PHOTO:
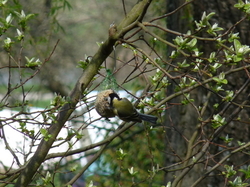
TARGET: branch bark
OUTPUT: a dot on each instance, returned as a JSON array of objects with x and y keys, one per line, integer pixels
[{"x": 129, "y": 22}]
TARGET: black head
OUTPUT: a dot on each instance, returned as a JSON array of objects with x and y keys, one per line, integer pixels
[{"x": 112, "y": 96}]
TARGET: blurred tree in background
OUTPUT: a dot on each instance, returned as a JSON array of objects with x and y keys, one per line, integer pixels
[{"x": 185, "y": 62}]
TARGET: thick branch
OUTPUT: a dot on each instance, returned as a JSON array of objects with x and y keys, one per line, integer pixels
[{"x": 128, "y": 23}]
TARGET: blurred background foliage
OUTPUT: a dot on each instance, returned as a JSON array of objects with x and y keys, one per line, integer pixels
[
  {"x": 74, "y": 29},
  {"x": 78, "y": 26}
]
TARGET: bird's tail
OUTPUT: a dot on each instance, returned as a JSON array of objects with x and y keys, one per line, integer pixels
[{"x": 148, "y": 118}]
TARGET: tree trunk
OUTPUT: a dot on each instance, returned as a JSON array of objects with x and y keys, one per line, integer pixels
[{"x": 182, "y": 119}]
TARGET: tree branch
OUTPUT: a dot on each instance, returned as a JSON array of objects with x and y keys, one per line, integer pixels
[{"x": 104, "y": 51}]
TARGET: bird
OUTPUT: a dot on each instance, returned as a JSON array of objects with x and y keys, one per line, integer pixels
[
  {"x": 125, "y": 110},
  {"x": 102, "y": 104}
]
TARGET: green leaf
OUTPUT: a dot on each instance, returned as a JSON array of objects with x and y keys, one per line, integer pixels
[
  {"x": 237, "y": 182},
  {"x": 187, "y": 99},
  {"x": 221, "y": 79},
  {"x": 237, "y": 58},
  {"x": 3, "y": 2},
  {"x": 210, "y": 15},
  {"x": 214, "y": 29},
  {"x": 229, "y": 95},
  {"x": 82, "y": 64},
  {"x": 240, "y": 4},
  {"x": 237, "y": 44},
  {"x": 31, "y": 63},
  {"x": 218, "y": 121},
  {"x": 7, "y": 44},
  {"x": 74, "y": 167},
  {"x": 91, "y": 184},
  {"x": 99, "y": 44},
  {"x": 241, "y": 143},
  {"x": 184, "y": 64},
  {"x": 246, "y": 172},
  {"x": 192, "y": 43},
  {"x": 233, "y": 36},
  {"x": 227, "y": 139},
  {"x": 131, "y": 171},
  {"x": 229, "y": 171},
  {"x": 45, "y": 134}
]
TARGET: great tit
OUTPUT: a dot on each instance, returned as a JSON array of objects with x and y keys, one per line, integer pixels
[
  {"x": 124, "y": 109},
  {"x": 102, "y": 104}
]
